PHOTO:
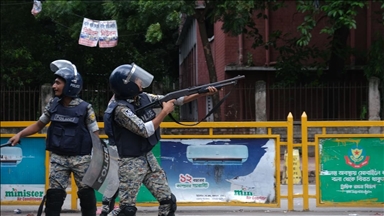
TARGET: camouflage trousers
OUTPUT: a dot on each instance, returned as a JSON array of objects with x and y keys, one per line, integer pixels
[
  {"x": 61, "y": 168},
  {"x": 134, "y": 171}
]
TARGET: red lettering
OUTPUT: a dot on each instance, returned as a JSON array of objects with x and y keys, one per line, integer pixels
[
  {"x": 189, "y": 178},
  {"x": 89, "y": 31},
  {"x": 185, "y": 178},
  {"x": 181, "y": 178},
  {"x": 107, "y": 33}
]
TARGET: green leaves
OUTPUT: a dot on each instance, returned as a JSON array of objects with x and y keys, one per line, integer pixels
[
  {"x": 154, "y": 33},
  {"x": 337, "y": 13}
]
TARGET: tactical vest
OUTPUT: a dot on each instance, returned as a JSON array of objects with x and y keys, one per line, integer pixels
[
  {"x": 68, "y": 133},
  {"x": 128, "y": 143}
]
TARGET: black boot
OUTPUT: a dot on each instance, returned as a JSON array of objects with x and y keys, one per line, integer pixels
[
  {"x": 127, "y": 211},
  {"x": 87, "y": 201}
]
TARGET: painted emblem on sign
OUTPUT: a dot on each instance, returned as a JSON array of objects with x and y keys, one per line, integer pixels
[{"x": 356, "y": 158}]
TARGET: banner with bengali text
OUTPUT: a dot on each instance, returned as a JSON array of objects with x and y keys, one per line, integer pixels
[{"x": 108, "y": 34}]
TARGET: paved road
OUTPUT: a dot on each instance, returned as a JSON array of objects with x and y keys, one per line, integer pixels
[{"x": 227, "y": 210}]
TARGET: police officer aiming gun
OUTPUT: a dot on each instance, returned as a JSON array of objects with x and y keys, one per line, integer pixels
[{"x": 135, "y": 136}]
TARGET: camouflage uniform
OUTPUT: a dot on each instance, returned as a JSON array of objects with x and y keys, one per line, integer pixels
[
  {"x": 134, "y": 171},
  {"x": 61, "y": 165}
]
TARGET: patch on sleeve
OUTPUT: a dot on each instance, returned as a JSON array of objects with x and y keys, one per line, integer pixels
[
  {"x": 92, "y": 116},
  {"x": 128, "y": 112}
]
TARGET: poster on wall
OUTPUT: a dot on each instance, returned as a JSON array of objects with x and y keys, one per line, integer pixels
[
  {"x": 351, "y": 169},
  {"x": 220, "y": 170},
  {"x": 22, "y": 170}
]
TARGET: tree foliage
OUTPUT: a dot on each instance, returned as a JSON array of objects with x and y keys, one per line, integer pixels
[
  {"x": 337, "y": 14},
  {"x": 339, "y": 17},
  {"x": 148, "y": 31},
  {"x": 22, "y": 50},
  {"x": 29, "y": 44}
]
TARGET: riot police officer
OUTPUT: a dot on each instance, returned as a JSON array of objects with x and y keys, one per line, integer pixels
[
  {"x": 68, "y": 139},
  {"x": 136, "y": 134}
]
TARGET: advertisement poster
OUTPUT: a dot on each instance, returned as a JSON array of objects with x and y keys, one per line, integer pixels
[
  {"x": 23, "y": 170},
  {"x": 351, "y": 169},
  {"x": 225, "y": 170}
]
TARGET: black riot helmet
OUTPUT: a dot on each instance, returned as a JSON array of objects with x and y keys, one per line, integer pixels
[
  {"x": 67, "y": 71},
  {"x": 123, "y": 80}
]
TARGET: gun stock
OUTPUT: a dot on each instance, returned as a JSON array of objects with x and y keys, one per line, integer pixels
[{"x": 189, "y": 91}]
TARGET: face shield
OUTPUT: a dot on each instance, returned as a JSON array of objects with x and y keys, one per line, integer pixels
[{"x": 141, "y": 74}]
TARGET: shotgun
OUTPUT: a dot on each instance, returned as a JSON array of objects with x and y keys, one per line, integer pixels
[{"x": 188, "y": 91}]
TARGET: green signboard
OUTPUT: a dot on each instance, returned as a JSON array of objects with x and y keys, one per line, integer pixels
[{"x": 351, "y": 169}]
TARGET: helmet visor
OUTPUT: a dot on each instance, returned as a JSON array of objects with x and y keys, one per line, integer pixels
[
  {"x": 139, "y": 73},
  {"x": 61, "y": 63}
]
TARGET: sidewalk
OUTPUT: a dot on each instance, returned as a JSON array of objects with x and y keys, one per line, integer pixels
[
  {"x": 216, "y": 210},
  {"x": 185, "y": 209}
]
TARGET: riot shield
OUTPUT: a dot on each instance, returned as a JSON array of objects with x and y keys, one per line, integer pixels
[{"x": 102, "y": 174}]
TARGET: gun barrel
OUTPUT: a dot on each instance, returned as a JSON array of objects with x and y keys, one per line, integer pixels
[
  {"x": 217, "y": 86},
  {"x": 226, "y": 80},
  {"x": 197, "y": 89},
  {"x": 219, "y": 82}
]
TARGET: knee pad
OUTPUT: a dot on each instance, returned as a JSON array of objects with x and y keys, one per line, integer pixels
[
  {"x": 54, "y": 201},
  {"x": 128, "y": 211},
  {"x": 87, "y": 201},
  {"x": 55, "y": 198},
  {"x": 172, "y": 203}
]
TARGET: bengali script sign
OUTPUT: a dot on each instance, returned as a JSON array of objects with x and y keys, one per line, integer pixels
[
  {"x": 103, "y": 32},
  {"x": 89, "y": 35},
  {"x": 352, "y": 169},
  {"x": 108, "y": 34}
]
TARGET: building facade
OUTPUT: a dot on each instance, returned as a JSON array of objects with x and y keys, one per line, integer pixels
[{"x": 234, "y": 55}]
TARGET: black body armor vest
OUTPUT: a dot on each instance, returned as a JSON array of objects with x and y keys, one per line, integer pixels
[
  {"x": 128, "y": 143},
  {"x": 68, "y": 133}
]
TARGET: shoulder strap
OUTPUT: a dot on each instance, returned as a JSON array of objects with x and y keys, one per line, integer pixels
[
  {"x": 54, "y": 104},
  {"x": 208, "y": 114},
  {"x": 108, "y": 119}
]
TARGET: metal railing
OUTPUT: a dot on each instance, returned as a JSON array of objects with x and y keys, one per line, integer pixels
[
  {"x": 214, "y": 130},
  {"x": 342, "y": 101}
]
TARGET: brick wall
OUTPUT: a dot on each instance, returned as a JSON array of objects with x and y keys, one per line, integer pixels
[{"x": 226, "y": 47}]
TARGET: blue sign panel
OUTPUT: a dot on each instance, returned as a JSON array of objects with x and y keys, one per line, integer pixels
[{"x": 211, "y": 170}]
